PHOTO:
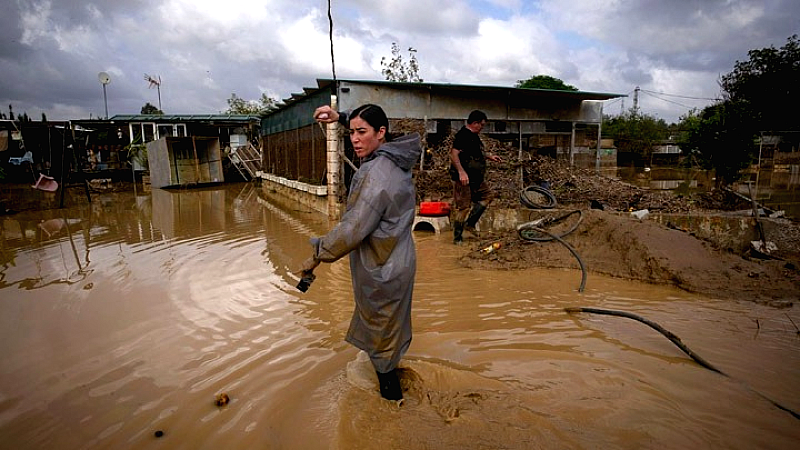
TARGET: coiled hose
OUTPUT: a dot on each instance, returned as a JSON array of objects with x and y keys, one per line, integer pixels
[
  {"x": 526, "y": 199},
  {"x": 536, "y": 230}
]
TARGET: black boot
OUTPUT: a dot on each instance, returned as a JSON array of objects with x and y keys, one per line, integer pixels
[
  {"x": 390, "y": 385},
  {"x": 458, "y": 232},
  {"x": 474, "y": 215}
]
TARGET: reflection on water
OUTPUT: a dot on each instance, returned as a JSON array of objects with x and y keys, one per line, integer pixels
[
  {"x": 776, "y": 187},
  {"x": 130, "y": 315},
  {"x": 682, "y": 181}
]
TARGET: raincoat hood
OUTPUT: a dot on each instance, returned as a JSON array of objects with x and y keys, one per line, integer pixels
[{"x": 404, "y": 151}]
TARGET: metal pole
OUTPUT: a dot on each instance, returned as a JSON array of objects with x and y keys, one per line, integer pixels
[
  {"x": 105, "y": 99},
  {"x": 599, "y": 139},
  {"x": 519, "y": 157},
  {"x": 572, "y": 146},
  {"x": 758, "y": 167}
]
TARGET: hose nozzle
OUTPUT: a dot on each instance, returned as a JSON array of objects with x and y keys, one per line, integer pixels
[{"x": 307, "y": 277}]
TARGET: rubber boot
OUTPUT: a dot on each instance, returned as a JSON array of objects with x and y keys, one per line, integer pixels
[
  {"x": 389, "y": 383},
  {"x": 474, "y": 216},
  {"x": 458, "y": 232}
]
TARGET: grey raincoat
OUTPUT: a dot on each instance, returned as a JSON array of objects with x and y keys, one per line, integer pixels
[{"x": 376, "y": 231}]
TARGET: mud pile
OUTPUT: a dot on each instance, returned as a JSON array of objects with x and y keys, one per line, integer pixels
[{"x": 620, "y": 246}]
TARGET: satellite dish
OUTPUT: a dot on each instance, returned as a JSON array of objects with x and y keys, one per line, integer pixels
[{"x": 104, "y": 78}]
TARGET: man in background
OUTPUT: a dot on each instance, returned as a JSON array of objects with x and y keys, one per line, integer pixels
[{"x": 471, "y": 193}]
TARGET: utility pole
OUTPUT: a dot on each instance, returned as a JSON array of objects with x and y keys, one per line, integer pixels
[{"x": 636, "y": 101}]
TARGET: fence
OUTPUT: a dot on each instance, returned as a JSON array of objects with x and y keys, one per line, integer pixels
[{"x": 298, "y": 154}]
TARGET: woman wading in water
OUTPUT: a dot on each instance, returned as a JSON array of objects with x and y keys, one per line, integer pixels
[{"x": 375, "y": 230}]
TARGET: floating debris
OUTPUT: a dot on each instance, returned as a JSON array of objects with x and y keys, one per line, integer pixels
[{"x": 222, "y": 399}]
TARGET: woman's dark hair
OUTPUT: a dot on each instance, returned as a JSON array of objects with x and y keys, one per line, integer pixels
[
  {"x": 373, "y": 115},
  {"x": 476, "y": 116}
]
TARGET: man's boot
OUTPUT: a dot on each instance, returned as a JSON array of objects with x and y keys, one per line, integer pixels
[
  {"x": 458, "y": 232},
  {"x": 389, "y": 383},
  {"x": 474, "y": 216}
]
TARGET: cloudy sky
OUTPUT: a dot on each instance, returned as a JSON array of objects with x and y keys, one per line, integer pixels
[{"x": 205, "y": 50}]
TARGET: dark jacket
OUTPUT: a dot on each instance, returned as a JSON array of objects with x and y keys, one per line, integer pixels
[{"x": 471, "y": 156}]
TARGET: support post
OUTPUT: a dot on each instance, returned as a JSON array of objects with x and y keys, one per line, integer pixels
[
  {"x": 333, "y": 164},
  {"x": 599, "y": 138},
  {"x": 572, "y": 146}
]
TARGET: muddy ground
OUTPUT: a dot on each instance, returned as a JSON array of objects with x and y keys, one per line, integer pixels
[
  {"x": 625, "y": 247},
  {"x": 611, "y": 242}
]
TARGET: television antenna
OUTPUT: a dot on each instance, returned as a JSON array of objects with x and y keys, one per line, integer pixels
[
  {"x": 154, "y": 81},
  {"x": 104, "y": 80}
]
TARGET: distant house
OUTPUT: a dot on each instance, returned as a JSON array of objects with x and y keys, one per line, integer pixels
[
  {"x": 150, "y": 127},
  {"x": 299, "y": 162},
  {"x": 668, "y": 146},
  {"x": 106, "y": 147}
]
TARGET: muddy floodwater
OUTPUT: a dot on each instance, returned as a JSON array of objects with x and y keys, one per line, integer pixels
[{"x": 122, "y": 321}]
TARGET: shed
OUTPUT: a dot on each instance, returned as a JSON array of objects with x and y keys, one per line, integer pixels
[
  {"x": 184, "y": 161},
  {"x": 298, "y": 156}
]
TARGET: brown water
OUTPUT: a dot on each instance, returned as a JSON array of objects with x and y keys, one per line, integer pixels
[
  {"x": 776, "y": 187},
  {"x": 129, "y": 317}
]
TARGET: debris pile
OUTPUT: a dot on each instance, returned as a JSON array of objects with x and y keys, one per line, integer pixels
[{"x": 573, "y": 187}]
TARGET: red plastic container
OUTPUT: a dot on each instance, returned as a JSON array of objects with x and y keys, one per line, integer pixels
[{"x": 434, "y": 209}]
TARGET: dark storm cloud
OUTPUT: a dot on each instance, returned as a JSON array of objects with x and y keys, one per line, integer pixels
[
  {"x": 701, "y": 35},
  {"x": 205, "y": 50}
]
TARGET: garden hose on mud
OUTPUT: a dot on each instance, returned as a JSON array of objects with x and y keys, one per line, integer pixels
[
  {"x": 531, "y": 231},
  {"x": 535, "y": 229},
  {"x": 677, "y": 341}
]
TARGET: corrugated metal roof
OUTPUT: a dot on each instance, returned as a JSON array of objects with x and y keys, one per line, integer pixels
[
  {"x": 186, "y": 118},
  {"x": 583, "y": 95},
  {"x": 325, "y": 83}
]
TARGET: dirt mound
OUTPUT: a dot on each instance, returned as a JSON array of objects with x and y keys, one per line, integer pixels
[{"x": 625, "y": 247}]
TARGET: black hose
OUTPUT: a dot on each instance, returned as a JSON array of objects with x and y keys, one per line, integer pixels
[
  {"x": 531, "y": 231},
  {"x": 524, "y": 229},
  {"x": 526, "y": 201},
  {"x": 677, "y": 341},
  {"x": 571, "y": 250}
]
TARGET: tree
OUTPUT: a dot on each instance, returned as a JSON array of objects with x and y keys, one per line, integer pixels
[
  {"x": 635, "y": 133},
  {"x": 151, "y": 109},
  {"x": 721, "y": 138},
  {"x": 545, "y": 82},
  {"x": 238, "y": 105},
  {"x": 757, "y": 94},
  {"x": 397, "y": 70},
  {"x": 767, "y": 85}
]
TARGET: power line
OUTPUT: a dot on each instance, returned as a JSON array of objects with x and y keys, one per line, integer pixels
[
  {"x": 676, "y": 95},
  {"x": 668, "y": 101}
]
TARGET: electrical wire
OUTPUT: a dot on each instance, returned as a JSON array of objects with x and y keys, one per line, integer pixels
[
  {"x": 676, "y": 95},
  {"x": 665, "y": 100},
  {"x": 330, "y": 37},
  {"x": 670, "y": 101}
]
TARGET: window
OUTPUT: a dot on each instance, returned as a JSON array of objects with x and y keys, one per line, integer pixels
[
  {"x": 177, "y": 130},
  {"x": 150, "y": 131},
  {"x": 142, "y": 132}
]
